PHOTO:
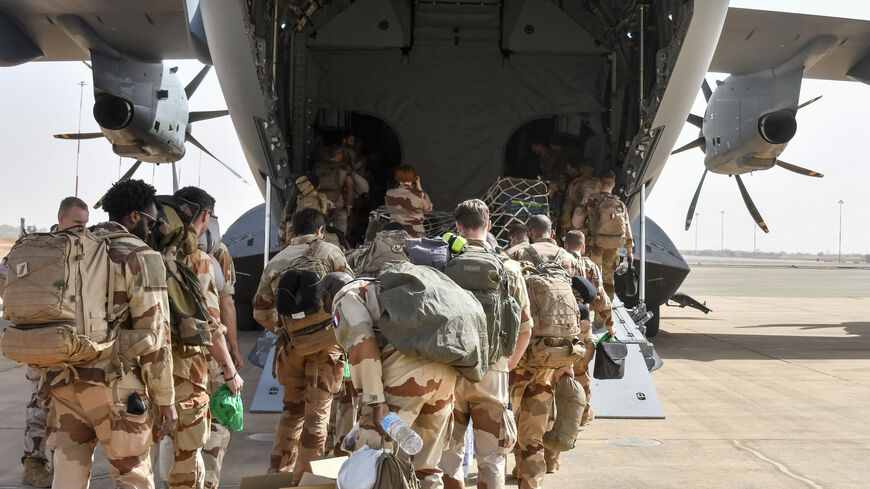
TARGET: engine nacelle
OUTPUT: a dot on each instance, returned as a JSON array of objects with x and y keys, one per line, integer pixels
[
  {"x": 778, "y": 127},
  {"x": 112, "y": 112}
]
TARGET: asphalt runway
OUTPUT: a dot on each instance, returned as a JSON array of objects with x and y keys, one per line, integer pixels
[{"x": 770, "y": 390}]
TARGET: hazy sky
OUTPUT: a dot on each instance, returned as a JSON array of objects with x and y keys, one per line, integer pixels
[{"x": 41, "y": 99}]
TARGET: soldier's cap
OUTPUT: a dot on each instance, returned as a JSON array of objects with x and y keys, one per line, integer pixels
[
  {"x": 584, "y": 311},
  {"x": 298, "y": 293},
  {"x": 585, "y": 288}
]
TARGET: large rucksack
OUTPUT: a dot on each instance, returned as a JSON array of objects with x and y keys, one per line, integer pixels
[
  {"x": 426, "y": 316},
  {"x": 175, "y": 239},
  {"x": 59, "y": 298},
  {"x": 483, "y": 274},
  {"x": 387, "y": 246},
  {"x": 608, "y": 222},
  {"x": 556, "y": 316}
]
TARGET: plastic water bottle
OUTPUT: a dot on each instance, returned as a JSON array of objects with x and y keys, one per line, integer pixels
[{"x": 409, "y": 441}]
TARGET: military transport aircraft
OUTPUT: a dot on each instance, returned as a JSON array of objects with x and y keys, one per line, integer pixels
[{"x": 458, "y": 86}]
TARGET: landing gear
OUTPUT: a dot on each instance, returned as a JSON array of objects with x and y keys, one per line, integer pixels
[{"x": 652, "y": 325}]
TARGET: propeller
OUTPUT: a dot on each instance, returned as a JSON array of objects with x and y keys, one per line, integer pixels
[
  {"x": 174, "y": 179},
  {"x": 123, "y": 178},
  {"x": 797, "y": 169},
  {"x": 750, "y": 206},
  {"x": 192, "y": 140},
  {"x": 808, "y": 102},
  {"x": 694, "y": 203},
  {"x": 695, "y": 120},
  {"x": 206, "y": 115},
  {"x": 79, "y": 135},
  {"x": 194, "y": 84},
  {"x": 705, "y": 87},
  {"x": 694, "y": 144}
]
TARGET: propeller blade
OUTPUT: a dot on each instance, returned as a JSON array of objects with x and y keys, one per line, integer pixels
[
  {"x": 124, "y": 178},
  {"x": 174, "y": 179},
  {"x": 79, "y": 135},
  {"x": 199, "y": 145},
  {"x": 719, "y": 83},
  {"x": 694, "y": 144},
  {"x": 750, "y": 206},
  {"x": 695, "y": 120},
  {"x": 206, "y": 115},
  {"x": 194, "y": 84},
  {"x": 691, "y": 214},
  {"x": 797, "y": 169},
  {"x": 808, "y": 102},
  {"x": 705, "y": 87}
]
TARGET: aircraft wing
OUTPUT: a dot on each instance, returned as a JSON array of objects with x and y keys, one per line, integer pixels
[
  {"x": 152, "y": 29},
  {"x": 754, "y": 40}
]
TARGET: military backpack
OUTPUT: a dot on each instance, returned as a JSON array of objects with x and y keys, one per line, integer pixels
[
  {"x": 608, "y": 220},
  {"x": 387, "y": 246},
  {"x": 482, "y": 273},
  {"x": 59, "y": 298}
]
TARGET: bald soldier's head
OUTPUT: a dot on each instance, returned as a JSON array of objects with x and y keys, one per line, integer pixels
[{"x": 540, "y": 227}]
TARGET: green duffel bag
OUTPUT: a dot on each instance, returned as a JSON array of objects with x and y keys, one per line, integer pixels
[
  {"x": 426, "y": 315},
  {"x": 570, "y": 404}
]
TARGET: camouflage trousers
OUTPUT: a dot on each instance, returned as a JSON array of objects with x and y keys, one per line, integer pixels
[
  {"x": 486, "y": 404},
  {"x": 219, "y": 437},
  {"x": 607, "y": 260},
  {"x": 342, "y": 417},
  {"x": 531, "y": 392},
  {"x": 309, "y": 382},
  {"x": 36, "y": 413},
  {"x": 190, "y": 375},
  {"x": 584, "y": 378},
  {"x": 86, "y": 414},
  {"x": 422, "y": 395}
]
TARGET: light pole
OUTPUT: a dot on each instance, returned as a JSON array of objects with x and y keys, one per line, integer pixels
[
  {"x": 696, "y": 232},
  {"x": 840, "y": 245},
  {"x": 722, "y": 233},
  {"x": 81, "y": 85}
]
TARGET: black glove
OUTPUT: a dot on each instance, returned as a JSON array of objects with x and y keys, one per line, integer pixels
[{"x": 585, "y": 288}]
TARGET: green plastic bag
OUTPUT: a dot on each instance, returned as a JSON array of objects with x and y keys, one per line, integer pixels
[{"x": 227, "y": 409}]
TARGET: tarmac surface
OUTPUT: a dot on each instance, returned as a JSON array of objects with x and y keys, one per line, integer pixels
[{"x": 770, "y": 390}]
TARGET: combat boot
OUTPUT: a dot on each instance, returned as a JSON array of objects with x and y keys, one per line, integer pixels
[
  {"x": 552, "y": 460},
  {"x": 36, "y": 472}
]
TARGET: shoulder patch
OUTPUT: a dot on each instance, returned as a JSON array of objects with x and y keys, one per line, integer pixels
[{"x": 153, "y": 269}]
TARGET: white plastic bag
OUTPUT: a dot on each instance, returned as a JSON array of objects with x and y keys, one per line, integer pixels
[{"x": 359, "y": 471}]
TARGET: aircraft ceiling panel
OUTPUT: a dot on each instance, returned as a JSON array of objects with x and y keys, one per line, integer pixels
[
  {"x": 154, "y": 29},
  {"x": 755, "y": 40}
]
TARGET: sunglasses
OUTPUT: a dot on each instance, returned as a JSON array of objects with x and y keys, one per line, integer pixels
[{"x": 152, "y": 221}]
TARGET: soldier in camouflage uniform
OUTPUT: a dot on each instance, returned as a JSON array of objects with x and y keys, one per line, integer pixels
[
  {"x": 575, "y": 243},
  {"x": 532, "y": 389},
  {"x": 71, "y": 216},
  {"x": 335, "y": 182},
  {"x": 485, "y": 403},
  {"x": 90, "y": 402},
  {"x": 585, "y": 184},
  {"x": 420, "y": 392},
  {"x": 606, "y": 257},
  {"x": 519, "y": 238},
  {"x": 190, "y": 362},
  {"x": 310, "y": 378},
  {"x": 408, "y": 202}
]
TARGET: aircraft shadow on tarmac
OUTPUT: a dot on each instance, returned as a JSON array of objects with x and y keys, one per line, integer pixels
[{"x": 707, "y": 347}]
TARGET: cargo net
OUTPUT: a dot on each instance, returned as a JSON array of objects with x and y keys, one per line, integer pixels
[
  {"x": 436, "y": 223},
  {"x": 510, "y": 201},
  {"x": 513, "y": 201}
]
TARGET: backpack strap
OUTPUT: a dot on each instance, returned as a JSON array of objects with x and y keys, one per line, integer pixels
[{"x": 534, "y": 255}]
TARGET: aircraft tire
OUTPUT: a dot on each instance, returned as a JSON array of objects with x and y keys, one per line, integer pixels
[{"x": 652, "y": 326}]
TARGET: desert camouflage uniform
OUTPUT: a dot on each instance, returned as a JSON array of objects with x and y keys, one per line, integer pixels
[
  {"x": 334, "y": 178},
  {"x": 89, "y": 402},
  {"x": 36, "y": 414},
  {"x": 191, "y": 374},
  {"x": 532, "y": 389},
  {"x": 406, "y": 206},
  {"x": 219, "y": 439},
  {"x": 486, "y": 404},
  {"x": 601, "y": 306},
  {"x": 606, "y": 258},
  {"x": 577, "y": 190},
  {"x": 309, "y": 380},
  {"x": 420, "y": 392},
  {"x": 512, "y": 251}
]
